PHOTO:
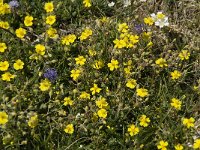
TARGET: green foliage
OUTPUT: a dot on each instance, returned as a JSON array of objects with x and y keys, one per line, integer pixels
[{"x": 44, "y": 96}]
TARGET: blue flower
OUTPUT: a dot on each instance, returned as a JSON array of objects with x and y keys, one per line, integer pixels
[
  {"x": 14, "y": 3},
  {"x": 139, "y": 28},
  {"x": 51, "y": 74}
]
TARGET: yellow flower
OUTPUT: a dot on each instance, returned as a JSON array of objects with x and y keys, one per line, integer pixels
[
  {"x": 45, "y": 85},
  {"x": 85, "y": 34},
  {"x": 33, "y": 121},
  {"x": 4, "y": 25},
  {"x": 127, "y": 70},
  {"x": 52, "y": 33},
  {"x": 67, "y": 101},
  {"x": 131, "y": 83},
  {"x": 161, "y": 62},
  {"x": 150, "y": 44},
  {"x": 40, "y": 49},
  {"x": 144, "y": 120},
  {"x": 20, "y": 33},
  {"x": 49, "y": 7},
  {"x": 142, "y": 92},
  {"x": 184, "y": 55},
  {"x": 176, "y": 103},
  {"x": 95, "y": 89},
  {"x": 4, "y": 65},
  {"x": 188, "y": 122},
  {"x": 133, "y": 130},
  {"x": 162, "y": 145},
  {"x": 124, "y": 41},
  {"x": 178, "y": 147},
  {"x": 102, "y": 113},
  {"x": 104, "y": 19},
  {"x": 101, "y": 103},
  {"x": 69, "y": 129},
  {"x": 7, "y": 76},
  {"x": 3, "y": 47},
  {"x": 119, "y": 43},
  {"x": 92, "y": 52},
  {"x": 113, "y": 65},
  {"x": 123, "y": 27},
  {"x": 68, "y": 39},
  {"x": 3, "y": 118},
  {"x": 4, "y": 9},
  {"x": 148, "y": 21},
  {"x": 87, "y": 3},
  {"x": 75, "y": 74},
  {"x": 18, "y": 64},
  {"x": 28, "y": 21},
  {"x": 133, "y": 39},
  {"x": 146, "y": 35},
  {"x": 196, "y": 144},
  {"x": 175, "y": 74},
  {"x": 98, "y": 64},
  {"x": 50, "y": 19},
  {"x": 80, "y": 60},
  {"x": 84, "y": 95},
  {"x": 160, "y": 15}
]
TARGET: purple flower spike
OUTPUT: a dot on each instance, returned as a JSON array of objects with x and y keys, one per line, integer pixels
[
  {"x": 139, "y": 28},
  {"x": 14, "y": 4},
  {"x": 51, "y": 74}
]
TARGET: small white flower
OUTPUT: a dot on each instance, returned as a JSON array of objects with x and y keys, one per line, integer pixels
[
  {"x": 189, "y": 144},
  {"x": 127, "y": 3},
  {"x": 154, "y": 17},
  {"x": 162, "y": 22},
  {"x": 111, "y": 4}
]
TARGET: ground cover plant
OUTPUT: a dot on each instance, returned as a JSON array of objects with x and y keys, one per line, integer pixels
[{"x": 99, "y": 74}]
